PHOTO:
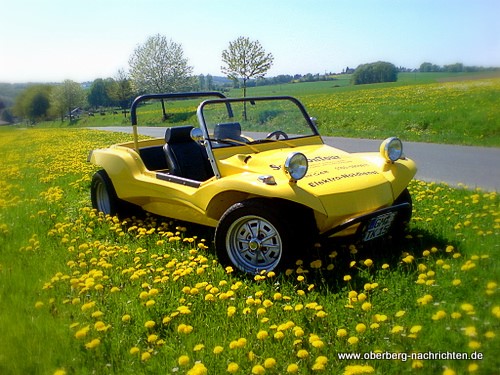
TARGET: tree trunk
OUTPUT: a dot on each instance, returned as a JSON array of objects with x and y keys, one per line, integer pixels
[
  {"x": 163, "y": 110},
  {"x": 245, "y": 95}
]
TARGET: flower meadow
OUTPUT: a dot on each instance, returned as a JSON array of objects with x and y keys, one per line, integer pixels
[
  {"x": 84, "y": 293},
  {"x": 460, "y": 112}
]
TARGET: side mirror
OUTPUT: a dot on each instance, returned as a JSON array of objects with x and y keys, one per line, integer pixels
[{"x": 196, "y": 135}]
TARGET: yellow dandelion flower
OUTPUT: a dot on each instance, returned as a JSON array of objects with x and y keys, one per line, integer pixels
[
  {"x": 92, "y": 344},
  {"x": 269, "y": 362},
  {"x": 347, "y": 278},
  {"x": 473, "y": 367},
  {"x": 496, "y": 311},
  {"x": 366, "y": 306},
  {"x": 134, "y": 350},
  {"x": 302, "y": 353},
  {"x": 152, "y": 338},
  {"x": 292, "y": 368},
  {"x": 415, "y": 329},
  {"x": 416, "y": 364},
  {"x": 232, "y": 367},
  {"x": 353, "y": 340},
  {"x": 439, "y": 315},
  {"x": 145, "y": 356},
  {"x": 489, "y": 335},
  {"x": 198, "y": 347},
  {"x": 358, "y": 370},
  {"x": 81, "y": 333},
  {"x": 408, "y": 259},
  {"x": 198, "y": 369},
  {"x": 258, "y": 370},
  {"x": 149, "y": 324},
  {"x": 468, "y": 308},
  {"x": 474, "y": 345},
  {"x": 360, "y": 328},
  {"x": 397, "y": 329},
  {"x": 231, "y": 310},
  {"x": 341, "y": 332},
  {"x": 262, "y": 335},
  {"x": 218, "y": 349}
]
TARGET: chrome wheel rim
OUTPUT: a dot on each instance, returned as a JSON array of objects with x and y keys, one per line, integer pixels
[
  {"x": 102, "y": 199},
  {"x": 254, "y": 244}
]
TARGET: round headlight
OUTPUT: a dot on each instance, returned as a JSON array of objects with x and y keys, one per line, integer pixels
[
  {"x": 392, "y": 149},
  {"x": 296, "y": 166}
]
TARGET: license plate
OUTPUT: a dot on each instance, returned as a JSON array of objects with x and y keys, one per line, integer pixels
[{"x": 379, "y": 226}]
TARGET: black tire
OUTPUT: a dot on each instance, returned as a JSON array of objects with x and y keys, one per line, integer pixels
[
  {"x": 103, "y": 195},
  {"x": 254, "y": 235},
  {"x": 403, "y": 219}
]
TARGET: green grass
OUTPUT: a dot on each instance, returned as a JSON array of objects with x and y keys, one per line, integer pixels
[
  {"x": 447, "y": 108},
  {"x": 70, "y": 279}
]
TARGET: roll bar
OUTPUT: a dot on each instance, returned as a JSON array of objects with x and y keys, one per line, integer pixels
[{"x": 177, "y": 95}]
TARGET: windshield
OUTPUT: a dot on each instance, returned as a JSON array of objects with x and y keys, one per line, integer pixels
[{"x": 232, "y": 122}]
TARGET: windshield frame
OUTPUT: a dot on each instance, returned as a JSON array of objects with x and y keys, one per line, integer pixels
[
  {"x": 203, "y": 123},
  {"x": 228, "y": 101}
]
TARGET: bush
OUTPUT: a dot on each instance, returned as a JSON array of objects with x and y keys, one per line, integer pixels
[{"x": 375, "y": 73}]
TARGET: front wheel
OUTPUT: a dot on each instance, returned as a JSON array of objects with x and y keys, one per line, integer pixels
[
  {"x": 400, "y": 226},
  {"x": 252, "y": 237}
]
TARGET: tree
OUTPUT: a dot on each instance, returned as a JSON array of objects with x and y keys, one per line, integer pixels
[
  {"x": 33, "y": 103},
  {"x": 98, "y": 95},
  {"x": 375, "y": 73},
  {"x": 245, "y": 59},
  {"x": 121, "y": 90},
  {"x": 159, "y": 66},
  {"x": 66, "y": 97}
]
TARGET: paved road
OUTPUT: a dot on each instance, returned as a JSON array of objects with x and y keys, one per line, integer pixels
[{"x": 472, "y": 166}]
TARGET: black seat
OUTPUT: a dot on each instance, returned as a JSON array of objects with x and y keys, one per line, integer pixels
[
  {"x": 229, "y": 130},
  {"x": 186, "y": 157}
]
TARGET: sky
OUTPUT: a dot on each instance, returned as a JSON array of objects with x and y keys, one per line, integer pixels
[{"x": 54, "y": 40}]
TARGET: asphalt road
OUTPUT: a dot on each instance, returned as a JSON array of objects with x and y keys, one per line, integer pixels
[{"x": 454, "y": 165}]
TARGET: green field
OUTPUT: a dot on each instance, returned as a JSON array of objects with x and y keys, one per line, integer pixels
[
  {"x": 81, "y": 293},
  {"x": 460, "y": 109}
]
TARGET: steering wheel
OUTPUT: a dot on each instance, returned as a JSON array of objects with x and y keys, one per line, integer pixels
[{"x": 277, "y": 134}]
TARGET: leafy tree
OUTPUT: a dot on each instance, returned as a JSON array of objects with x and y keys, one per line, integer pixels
[
  {"x": 427, "y": 67},
  {"x": 33, "y": 103},
  {"x": 375, "y": 73},
  {"x": 98, "y": 95},
  {"x": 159, "y": 66},
  {"x": 66, "y": 97},
  {"x": 121, "y": 90},
  {"x": 245, "y": 59},
  {"x": 210, "y": 82}
]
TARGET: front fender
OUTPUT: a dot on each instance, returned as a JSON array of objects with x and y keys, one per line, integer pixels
[{"x": 230, "y": 190}]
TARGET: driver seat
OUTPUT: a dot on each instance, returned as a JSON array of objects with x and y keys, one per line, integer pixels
[
  {"x": 185, "y": 157},
  {"x": 229, "y": 130}
]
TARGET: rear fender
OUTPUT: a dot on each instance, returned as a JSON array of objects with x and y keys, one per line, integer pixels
[{"x": 122, "y": 164}]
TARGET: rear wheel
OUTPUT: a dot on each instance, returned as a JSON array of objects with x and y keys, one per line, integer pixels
[
  {"x": 253, "y": 236},
  {"x": 103, "y": 195}
]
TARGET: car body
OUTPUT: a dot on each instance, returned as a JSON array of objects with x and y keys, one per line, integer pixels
[{"x": 258, "y": 171}]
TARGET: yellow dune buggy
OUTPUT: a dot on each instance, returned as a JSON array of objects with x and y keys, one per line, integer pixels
[{"x": 258, "y": 171}]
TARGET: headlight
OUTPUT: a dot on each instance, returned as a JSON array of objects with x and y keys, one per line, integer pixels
[
  {"x": 296, "y": 166},
  {"x": 391, "y": 149}
]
